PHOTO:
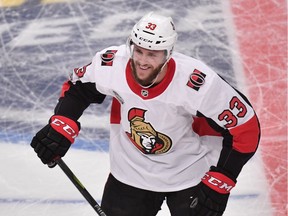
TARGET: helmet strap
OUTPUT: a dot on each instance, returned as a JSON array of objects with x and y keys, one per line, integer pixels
[{"x": 154, "y": 81}]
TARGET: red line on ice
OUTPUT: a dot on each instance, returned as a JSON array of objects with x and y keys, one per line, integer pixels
[{"x": 261, "y": 31}]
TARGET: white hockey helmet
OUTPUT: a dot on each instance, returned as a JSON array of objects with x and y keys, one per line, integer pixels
[{"x": 154, "y": 32}]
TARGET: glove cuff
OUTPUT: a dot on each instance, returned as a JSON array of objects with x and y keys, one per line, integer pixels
[
  {"x": 218, "y": 182},
  {"x": 65, "y": 126}
]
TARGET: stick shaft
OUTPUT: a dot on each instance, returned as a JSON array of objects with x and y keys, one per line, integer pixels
[{"x": 80, "y": 187}]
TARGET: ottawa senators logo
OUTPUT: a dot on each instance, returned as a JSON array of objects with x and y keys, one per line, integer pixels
[
  {"x": 196, "y": 80},
  {"x": 107, "y": 58},
  {"x": 144, "y": 136}
]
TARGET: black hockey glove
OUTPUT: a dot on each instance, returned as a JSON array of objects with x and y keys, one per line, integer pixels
[
  {"x": 55, "y": 138},
  {"x": 211, "y": 195}
]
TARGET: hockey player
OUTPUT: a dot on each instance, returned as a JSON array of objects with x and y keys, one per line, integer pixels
[{"x": 155, "y": 152}]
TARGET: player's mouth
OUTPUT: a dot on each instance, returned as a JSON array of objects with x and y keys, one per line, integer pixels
[
  {"x": 143, "y": 67},
  {"x": 143, "y": 71}
]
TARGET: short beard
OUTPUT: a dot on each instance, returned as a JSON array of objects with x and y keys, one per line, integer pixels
[{"x": 150, "y": 79}]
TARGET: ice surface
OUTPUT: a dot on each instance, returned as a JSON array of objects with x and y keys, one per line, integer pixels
[{"x": 42, "y": 41}]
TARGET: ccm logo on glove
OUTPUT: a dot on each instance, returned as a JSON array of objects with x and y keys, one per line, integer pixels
[
  {"x": 65, "y": 126},
  {"x": 218, "y": 182}
]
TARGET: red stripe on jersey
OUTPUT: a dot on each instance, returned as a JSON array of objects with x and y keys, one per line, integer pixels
[
  {"x": 153, "y": 91},
  {"x": 246, "y": 136},
  {"x": 65, "y": 87},
  {"x": 202, "y": 128},
  {"x": 115, "y": 115}
]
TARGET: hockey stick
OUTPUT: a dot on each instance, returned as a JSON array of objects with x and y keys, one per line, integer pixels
[{"x": 78, "y": 185}]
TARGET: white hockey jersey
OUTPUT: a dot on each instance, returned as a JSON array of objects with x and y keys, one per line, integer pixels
[{"x": 152, "y": 144}]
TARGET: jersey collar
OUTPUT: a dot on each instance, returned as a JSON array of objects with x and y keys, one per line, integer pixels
[{"x": 153, "y": 91}]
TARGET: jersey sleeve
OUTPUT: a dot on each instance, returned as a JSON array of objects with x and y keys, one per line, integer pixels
[
  {"x": 79, "y": 92},
  {"x": 87, "y": 84},
  {"x": 76, "y": 97},
  {"x": 230, "y": 113}
]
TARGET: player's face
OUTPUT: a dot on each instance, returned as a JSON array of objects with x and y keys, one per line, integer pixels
[
  {"x": 146, "y": 64},
  {"x": 148, "y": 141}
]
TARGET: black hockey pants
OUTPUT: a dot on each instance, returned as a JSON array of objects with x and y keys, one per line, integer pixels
[{"x": 123, "y": 200}]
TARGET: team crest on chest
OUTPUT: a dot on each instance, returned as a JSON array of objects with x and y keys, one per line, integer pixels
[
  {"x": 144, "y": 136},
  {"x": 196, "y": 80}
]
